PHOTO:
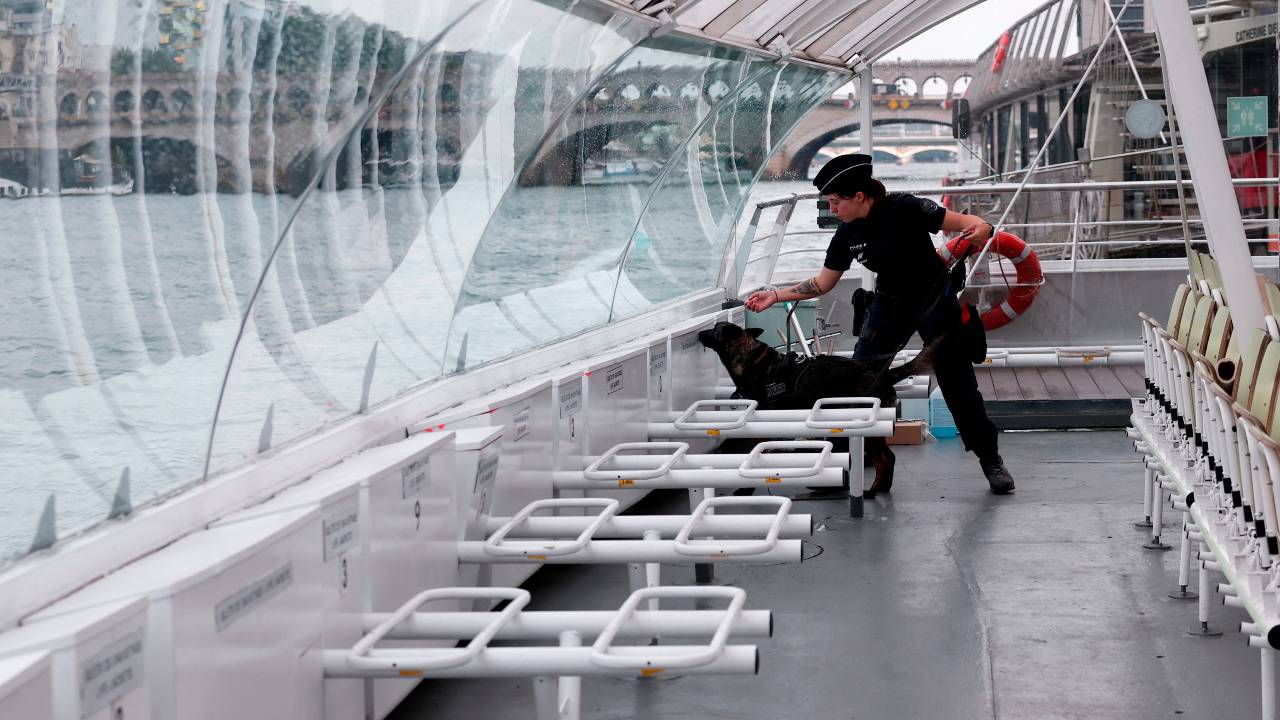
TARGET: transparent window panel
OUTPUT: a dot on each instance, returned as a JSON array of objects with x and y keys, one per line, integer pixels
[
  {"x": 152, "y": 162},
  {"x": 680, "y": 243},
  {"x": 547, "y": 262},
  {"x": 383, "y": 241}
]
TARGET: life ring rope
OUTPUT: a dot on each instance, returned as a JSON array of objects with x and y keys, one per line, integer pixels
[{"x": 1029, "y": 275}]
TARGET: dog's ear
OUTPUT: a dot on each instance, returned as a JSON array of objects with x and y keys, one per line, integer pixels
[{"x": 755, "y": 332}]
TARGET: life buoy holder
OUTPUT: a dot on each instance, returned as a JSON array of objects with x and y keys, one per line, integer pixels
[{"x": 1030, "y": 276}]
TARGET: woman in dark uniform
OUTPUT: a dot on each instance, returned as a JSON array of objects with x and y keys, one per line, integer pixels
[{"x": 889, "y": 235}]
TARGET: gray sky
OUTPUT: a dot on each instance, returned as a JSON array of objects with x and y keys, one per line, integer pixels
[{"x": 967, "y": 34}]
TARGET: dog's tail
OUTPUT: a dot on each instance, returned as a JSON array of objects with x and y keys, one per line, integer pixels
[{"x": 920, "y": 364}]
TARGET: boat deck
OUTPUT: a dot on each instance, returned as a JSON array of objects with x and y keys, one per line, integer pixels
[
  {"x": 1081, "y": 396},
  {"x": 944, "y": 602}
]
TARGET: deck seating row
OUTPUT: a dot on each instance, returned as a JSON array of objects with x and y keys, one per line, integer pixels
[{"x": 1210, "y": 436}]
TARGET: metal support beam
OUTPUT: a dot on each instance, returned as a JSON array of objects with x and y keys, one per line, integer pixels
[
  {"x": 1189, "y": 92},
  {"x": 866, "y": 93}
]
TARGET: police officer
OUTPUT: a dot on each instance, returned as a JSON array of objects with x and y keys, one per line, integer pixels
[{"x": 890, "y": 235}]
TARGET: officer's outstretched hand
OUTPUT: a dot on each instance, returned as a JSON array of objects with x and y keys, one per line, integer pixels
[
  {"x": 761, "y": 300},
  {"x": 978, "y": 233}
]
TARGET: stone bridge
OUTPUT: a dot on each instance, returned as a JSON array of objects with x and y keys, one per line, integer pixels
[
  {"x": 905, "y": 92},
  {"x": 254, "y": 132},
  {"x": 267, "y": 132}
]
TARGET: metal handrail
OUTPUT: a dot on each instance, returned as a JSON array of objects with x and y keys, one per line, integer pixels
[
  {"x": 495, "y": 544},
  {"x": 749, "y": 468},
  {"x": 597, "y": 470},
  {"x": 732, "y": 548},
  {"x": 359, "y": 657},
  {"x": 658, "y": 658},
  {"x": 1011, "y": 188}
]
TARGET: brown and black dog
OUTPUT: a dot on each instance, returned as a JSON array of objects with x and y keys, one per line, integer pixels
[{"x": 788, "y": 382}]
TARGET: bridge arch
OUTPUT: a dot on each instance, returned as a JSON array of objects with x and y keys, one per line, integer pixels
[
  {"x": 961, "y": 84},
  {"x": 161, "y": 164},
  {"x": 69, "y": 105},
  {"x": 803, "y": 157},
  {"x": 124, "y": 102},
  {"x": 153, "y": 102},
  {"x": 935, "y": 87},
  {"x": 549, "y": 166},
  {"x": 95, "y": 103},
  {"x": 182, "y": 102},
  {"x": 906, "y": 86}
]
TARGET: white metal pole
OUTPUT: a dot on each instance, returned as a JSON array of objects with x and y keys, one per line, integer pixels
[
  {"x": 544, "y": 697},
  {"x": 653, "y": 571},
  {"x": 723, "y": 461},
  {"x": 548, "y": 624},
  {"x": 1157, "y": 511},
  {"x": 1206, "y": 594},
  {"x": 857, "y": 476},
  {"x": 634, "y": 526},
  {"x": 1188, "y": 89},
  {"x": 703, "y": 573},
  {"x": 1146, "y": 503},
  {"x": 697, "y": 480},
  {"x": 516, "y": 662},
  {"x": 1268, "y": 657},
  {"x": 1184, "y": 564},
  {"x": 569, "y": 695},
  {"x": 866, "y": 88},
  {"x": 610, "y": 552}
]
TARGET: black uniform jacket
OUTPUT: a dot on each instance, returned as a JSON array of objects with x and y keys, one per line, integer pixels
[{"x": 893, "y": 242}]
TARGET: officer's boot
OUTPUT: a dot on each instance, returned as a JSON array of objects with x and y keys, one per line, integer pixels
[{"x": 998, "y": 476}]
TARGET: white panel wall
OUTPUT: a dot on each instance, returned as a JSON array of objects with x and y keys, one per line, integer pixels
[
  {"x": 616, "y": 393},
  {"x": 96, "y": 666},
  {"x": 26, "y": 688},
  {"x": 232, "y": 620}
]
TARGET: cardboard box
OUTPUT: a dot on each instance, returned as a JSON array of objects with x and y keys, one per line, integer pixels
[{"x": 907, "y": 432}]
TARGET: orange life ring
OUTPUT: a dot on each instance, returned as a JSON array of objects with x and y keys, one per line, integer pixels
[
  {"x": 1030, "y": 276},
  {"x": 1002, "y": 49}
]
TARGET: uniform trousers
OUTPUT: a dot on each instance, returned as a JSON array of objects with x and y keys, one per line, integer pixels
[{"x": 891, "y": 320}]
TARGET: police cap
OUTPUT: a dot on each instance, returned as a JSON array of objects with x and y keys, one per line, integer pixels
[{"x": 844, "y": 175}]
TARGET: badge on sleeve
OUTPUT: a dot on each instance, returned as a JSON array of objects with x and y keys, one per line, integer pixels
[{"x": 928, "y": 206}]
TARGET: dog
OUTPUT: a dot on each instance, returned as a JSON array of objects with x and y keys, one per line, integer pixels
[{"x": 787, "y": 382}]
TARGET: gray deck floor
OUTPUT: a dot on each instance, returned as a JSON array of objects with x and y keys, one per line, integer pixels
[{"x": 944, "y": 602}]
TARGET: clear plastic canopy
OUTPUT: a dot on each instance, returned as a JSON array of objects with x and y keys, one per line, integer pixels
[
  {"x": 844, "y": 33},
  {"x": 231, "y": 223}
]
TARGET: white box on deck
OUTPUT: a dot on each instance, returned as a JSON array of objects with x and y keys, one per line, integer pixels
[
  {"x": 387, "y": 533},
  {"x": 26, "y": 687},
  {"x": 478, "y": 461},
  {"x": 97, "y": 661},
  {"x": 525, "y": 454},
  {"x": 525, "y": 410},
  {"x": 233, "y": 619}
]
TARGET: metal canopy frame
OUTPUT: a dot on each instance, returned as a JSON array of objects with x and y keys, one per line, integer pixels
[{"x": 863, "y": 30}]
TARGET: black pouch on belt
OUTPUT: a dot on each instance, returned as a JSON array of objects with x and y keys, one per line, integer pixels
[
  {"x": 973, "y": 334},
  {"x": 861, "y": 304}
]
